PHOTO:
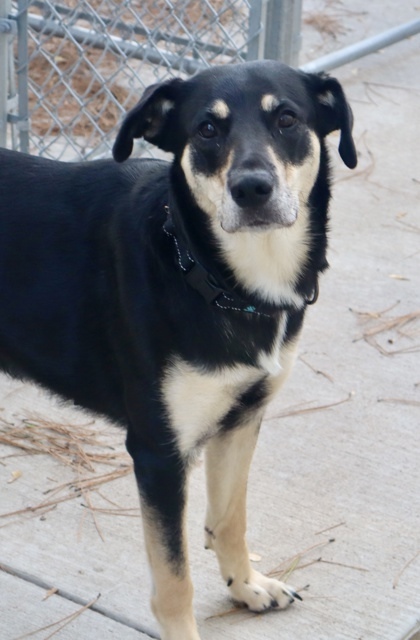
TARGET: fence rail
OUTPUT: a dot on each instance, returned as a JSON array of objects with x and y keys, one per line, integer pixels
[{"x": 363, "y": 48}]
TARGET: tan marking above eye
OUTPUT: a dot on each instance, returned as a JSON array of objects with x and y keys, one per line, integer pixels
[
  {"x": 269, "y": 102},
  {"x": 220, "y": 109}
]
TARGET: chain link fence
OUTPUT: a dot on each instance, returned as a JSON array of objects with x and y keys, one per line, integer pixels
[
  {"x": 70, "y": 69},
  {"x": 79, "y": 65}
]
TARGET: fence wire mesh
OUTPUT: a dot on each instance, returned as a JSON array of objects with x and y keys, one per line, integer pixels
[{"x": 87, "y": 61}]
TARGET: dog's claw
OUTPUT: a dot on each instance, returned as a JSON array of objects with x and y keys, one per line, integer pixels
[{"x": 292, "y": 594}]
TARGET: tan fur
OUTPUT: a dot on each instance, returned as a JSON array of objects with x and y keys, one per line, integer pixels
[
  {"x": 197, "y": 399},
  {"x": 269, "y": 102},
  {"x": 278, "y": 253},
  {"x": 210, "y": 193},
  {"x": 287, "y": 358},
  {"x": 228, "y": 458},
  {"x": 220, "y": 109},
  {"x": 172, "y": 592}
]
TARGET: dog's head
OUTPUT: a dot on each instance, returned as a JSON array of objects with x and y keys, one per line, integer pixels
[{"x": 248, "y": 138}]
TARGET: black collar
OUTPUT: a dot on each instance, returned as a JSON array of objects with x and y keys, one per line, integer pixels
[{"x": 210, "y": 289}]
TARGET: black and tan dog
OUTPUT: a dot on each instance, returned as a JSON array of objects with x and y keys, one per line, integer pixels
[{"x": 169, "y": 297}]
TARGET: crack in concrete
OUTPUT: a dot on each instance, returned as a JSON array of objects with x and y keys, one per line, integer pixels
[{"x": 39, "y": 582}]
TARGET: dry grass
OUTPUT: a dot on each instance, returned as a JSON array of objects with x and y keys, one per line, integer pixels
[
  {"x": 331, "y": 18},
  {"x": 66, "y": 84},
  {"x": 61, "y": 623},
  {"x": 315, "y": 370},
  {"x": 325, "y": 24},
  {"x": 84, "y": 449},
  {"x": 301, "y": 409},
  {"x": 70, "y": 444},
  {"x": 154, "y": 12},
  {"x": 384, "y": 333},
  {"x": 407, "y": 564},
  {"x": 82, "y": 86}
]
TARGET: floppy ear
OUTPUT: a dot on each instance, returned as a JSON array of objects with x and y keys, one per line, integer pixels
[
  {"x": 334, "y": 113},
  {"x": 149, "y": 119}
]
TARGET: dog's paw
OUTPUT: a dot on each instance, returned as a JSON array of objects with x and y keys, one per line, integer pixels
[{"x": 260, "y": 593}]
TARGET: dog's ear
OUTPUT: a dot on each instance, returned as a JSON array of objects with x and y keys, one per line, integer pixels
[
  {"x": 334, "y": 113},
  {"x": 149, "y": 119}
]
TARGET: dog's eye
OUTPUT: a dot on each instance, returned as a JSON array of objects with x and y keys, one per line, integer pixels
[
  {"x": 207, "y": 130},
  {"x": 286, "y": 120}
]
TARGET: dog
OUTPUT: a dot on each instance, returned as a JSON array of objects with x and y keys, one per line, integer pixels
[{"x": 169, "y": 296}]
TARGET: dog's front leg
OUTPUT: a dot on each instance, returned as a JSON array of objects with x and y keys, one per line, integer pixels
[
  {"x": 161, "y": 478},
  {"x": 228, "y": 458}
]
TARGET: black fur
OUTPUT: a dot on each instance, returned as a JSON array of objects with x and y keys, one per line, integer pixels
[{"x": 93, "y": 305}]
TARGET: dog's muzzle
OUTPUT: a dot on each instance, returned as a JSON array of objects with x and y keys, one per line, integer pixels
[{"x": 258, "y": 202}]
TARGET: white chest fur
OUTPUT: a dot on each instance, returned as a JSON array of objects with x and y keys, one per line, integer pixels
[{"x": 197, "y": 398}]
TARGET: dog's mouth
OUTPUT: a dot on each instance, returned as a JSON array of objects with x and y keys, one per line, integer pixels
[
  {"x": 256, "y": 227},
  {"x": 258, "y": 222},
  {"x": 263, "y": 223},
  {"x": 280, "y": 215}
]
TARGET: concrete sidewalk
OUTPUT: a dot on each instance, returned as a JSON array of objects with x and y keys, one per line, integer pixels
[{"x": 336, "y": 477}]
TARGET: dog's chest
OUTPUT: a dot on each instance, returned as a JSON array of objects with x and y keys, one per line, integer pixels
[{"x": 197, "y": 399}]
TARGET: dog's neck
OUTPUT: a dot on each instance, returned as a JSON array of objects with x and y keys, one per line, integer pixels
[
  {"x": 267, "y": 270},
  {"x": 205, "y": 271},
  {"x": 207, "y": 285}
]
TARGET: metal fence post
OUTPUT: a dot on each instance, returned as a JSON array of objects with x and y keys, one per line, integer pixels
[
  {"x": 256, "y": 29},
  {"x": 282, "y": 26},
  {"x": 5, "y": 31},
  {"x": 22, "y": 75}
]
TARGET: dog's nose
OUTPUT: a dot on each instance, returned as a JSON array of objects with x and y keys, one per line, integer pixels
[{"x": 251, "y": 188}]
